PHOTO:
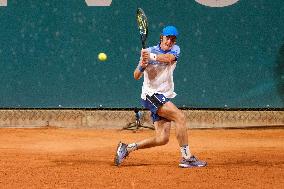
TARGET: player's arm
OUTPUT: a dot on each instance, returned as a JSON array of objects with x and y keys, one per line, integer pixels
[
  {"x": 143, "y": 63},
  {"x": 138, "y": 72},
  {"x": 165, "y": 58},
  {"x": 168, "y": 58}
]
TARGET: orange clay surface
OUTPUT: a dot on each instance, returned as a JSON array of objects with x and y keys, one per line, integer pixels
[{"x": 83, "y": 158}]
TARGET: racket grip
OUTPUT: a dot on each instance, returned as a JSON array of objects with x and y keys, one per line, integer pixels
[{"x": 143, "y": 45}]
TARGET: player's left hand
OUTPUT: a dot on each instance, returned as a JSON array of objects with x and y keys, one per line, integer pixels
[{"x": 143, "y": 63}]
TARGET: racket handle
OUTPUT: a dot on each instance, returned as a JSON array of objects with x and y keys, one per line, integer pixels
[{"x": 143, "y": 45}]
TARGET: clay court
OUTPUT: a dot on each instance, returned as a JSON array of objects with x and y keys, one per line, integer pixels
[{"x": 83, "y": 158}]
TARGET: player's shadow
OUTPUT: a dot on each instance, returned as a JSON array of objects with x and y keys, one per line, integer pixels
[
  {"x": 78, "y": 162},
  {"x": 136, "y": 164},
  {"x": 75, "y": 162}
]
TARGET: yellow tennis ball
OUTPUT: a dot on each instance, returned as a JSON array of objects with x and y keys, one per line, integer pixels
[{"x": 102, "y": 57}]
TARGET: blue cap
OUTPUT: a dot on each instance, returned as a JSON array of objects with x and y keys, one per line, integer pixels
[{"x": 170, "y": 30}]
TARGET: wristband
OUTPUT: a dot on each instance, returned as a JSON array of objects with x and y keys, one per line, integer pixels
[
  {"x": 141, "y": 69},
  {"x": 153, "y": 56}
]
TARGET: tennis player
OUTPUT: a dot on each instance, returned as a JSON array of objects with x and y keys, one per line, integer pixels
[{"x": 157, "y": 64}]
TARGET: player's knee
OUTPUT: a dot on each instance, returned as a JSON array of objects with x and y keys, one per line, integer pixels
[
  {"x": 162, "y": 140},
  {"x": 165, "y": 140},
  {"x": 178, "y": 116},
  {"x": 181, "y": 117}
]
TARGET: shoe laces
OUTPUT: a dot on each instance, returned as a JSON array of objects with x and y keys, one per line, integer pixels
[{"x": 191, "y": 159}]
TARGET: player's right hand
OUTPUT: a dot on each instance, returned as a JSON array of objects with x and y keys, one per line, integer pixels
[
  {"x": 145, "y": 55},
  {"x": 144, "y": 58}
]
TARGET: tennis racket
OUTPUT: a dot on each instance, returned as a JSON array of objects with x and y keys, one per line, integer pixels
[{"x": 142, "y": 23}]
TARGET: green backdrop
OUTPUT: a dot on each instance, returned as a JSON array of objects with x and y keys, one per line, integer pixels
[{"x": 230, "y": 57}]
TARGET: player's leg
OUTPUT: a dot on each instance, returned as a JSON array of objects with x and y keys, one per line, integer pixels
[
  {"x": 162, "y": 126},
  {"x": 162, "y": 135},
  {"x": 171, "y": 112}
]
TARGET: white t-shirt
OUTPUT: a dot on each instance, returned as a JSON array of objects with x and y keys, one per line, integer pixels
[{"x": 158, "y": 77}]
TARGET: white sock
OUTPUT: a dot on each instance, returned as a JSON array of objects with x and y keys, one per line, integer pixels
[
  {"x": 185, "y": 152},
  {"x": 132, "y": 147}
]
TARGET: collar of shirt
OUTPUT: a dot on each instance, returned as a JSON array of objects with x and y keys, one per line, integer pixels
[{"x": 164, "y": 52}]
